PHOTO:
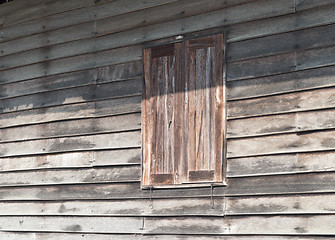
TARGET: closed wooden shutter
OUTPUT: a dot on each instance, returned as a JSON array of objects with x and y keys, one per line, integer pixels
[{"x": 183, "y": 113}]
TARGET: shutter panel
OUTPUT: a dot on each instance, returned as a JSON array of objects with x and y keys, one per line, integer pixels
[
  {"x": 204, "y": 74},
  {"x": 159, "y": 123}
]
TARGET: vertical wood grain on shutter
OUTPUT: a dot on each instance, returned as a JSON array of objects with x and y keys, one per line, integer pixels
[
  {"x": 204, "y": 59},
  {"x": 159, "y": 127}
]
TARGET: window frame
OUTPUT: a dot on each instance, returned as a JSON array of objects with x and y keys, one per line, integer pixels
[{"x": 163, "y": 44}]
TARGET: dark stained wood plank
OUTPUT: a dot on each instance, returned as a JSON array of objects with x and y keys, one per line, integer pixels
[
  {"x": 72, "y": 95},
  {"x": 281, "y": 43},
  {"x": 291, "y": 102},
  {"x": 313, "y": 17},
  {"x": 285, "y": 143},
  {"x": 294, "y": 204},
  {"x": 72, "y": 160},
  {"x": 282, "y": 164},
  {"x": 73, "y": 111},
  {"x": 288, "y": 82},
  {"x": 69, "y": 144},
  {"x": 283, "y": 123}
]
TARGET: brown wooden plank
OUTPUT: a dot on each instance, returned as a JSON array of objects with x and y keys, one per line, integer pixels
[
  {"x": 283, "y": 123},
  {"x": 291, "y": 102},
  {"x": 70, "y": 144},
  {"x": 282, "y": 164},
  {"x": 286, "y": 143},
  {"x": 72, "y": 160},
  {"x": 295, "y": 204}
]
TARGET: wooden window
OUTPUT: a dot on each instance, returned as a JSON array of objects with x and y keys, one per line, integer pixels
[{"x": 183, "y": 113}]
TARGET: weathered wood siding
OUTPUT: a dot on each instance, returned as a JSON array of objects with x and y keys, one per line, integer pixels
[{"x": 70, "y": 121}]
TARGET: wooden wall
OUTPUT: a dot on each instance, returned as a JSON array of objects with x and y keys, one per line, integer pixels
[{"x": 70, "y": 130}]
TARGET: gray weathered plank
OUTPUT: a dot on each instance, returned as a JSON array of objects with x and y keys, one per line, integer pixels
[
  {"x": 285, "y": 143},
  {"x": 80, "y": 236},
  {"x": 73, "y": 95},
  {"x": 139, "y": 207},
  {"x": 281, "y": 43},
  {"x": 72, "y": 128},
  {"x": 291, "y": 102},
  {"x": 299, "y": 20},
  {"x": 71, "y": 176},
  {"x": 284, "y": 123},
  {"x": 44, "y": 9},
  {"x": 76, "y": 63},
  {"x": 297, "y": 225},
  {"x": 69, "y": 144},
  {"x": 72, "y": 111},
  {"x": 281, "y": 164},
  {"x": 295, "y": 204},
  {"x": 305, "y": 4},
  {"x": 288, "y": 82},
  {"x": 280, "y": 184},
  {"x": 72, "y": 160}
]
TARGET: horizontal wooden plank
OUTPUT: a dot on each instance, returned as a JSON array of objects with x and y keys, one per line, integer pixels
[
  {"x": 18, "y": 5},
  {"x": 71, "y": 176},
  {"x": 281, "y": 164},
  {"x": 44, "y": 9},
  {"x": 74, "y": 79},
  {"x": 277, "y": 84},
  {"x": 281, "y": 184},
  {"x": 72, "y": 160},
  {"x": 74, "y": 17},
  {"x": 291, "y": 102},
  {"x": 318, "y": 57},
  {"x": 73, "y": 224},
  {"x": 73, "y": 111},
  {"x": 76, "y": 63},
  {"x": 69, "y": 144},
  {"x": 80, "y": 236},
  {"x": 140, "y": 207},
  {"x": 162, "y": 13},
  {"x": 124, "y": 39},
  {"x": 297, "y": 225},
  {"x": 286, "y": 143},
  {"x": 281, "y": 43},
  {"x": 305, "y": 4},
  {"x": 73, "y": 127},
  {"x": 315, "y": 16},
  {"x": 283, "y": 123},
  {"x": 73, "y": 95},
  {"x": 296, "y": 204}
]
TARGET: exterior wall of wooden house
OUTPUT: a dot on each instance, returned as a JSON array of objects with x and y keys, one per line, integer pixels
[{"x": 70, "y": 121}]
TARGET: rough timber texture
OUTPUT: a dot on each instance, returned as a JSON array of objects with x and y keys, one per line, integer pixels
[{"x": 70, "y": 121}]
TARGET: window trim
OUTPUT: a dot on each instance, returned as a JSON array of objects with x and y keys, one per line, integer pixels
[{"x": 179, "y": 39}]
